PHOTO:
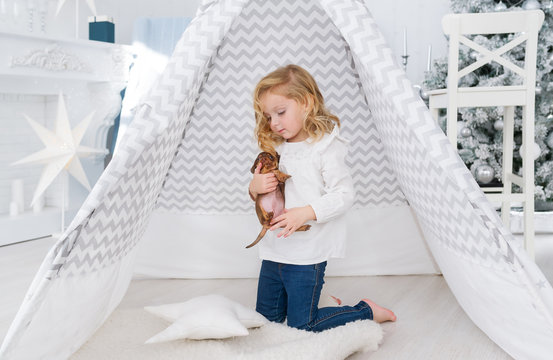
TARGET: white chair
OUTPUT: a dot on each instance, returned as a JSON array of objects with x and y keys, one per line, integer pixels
[{"x": 524, "y": 24}]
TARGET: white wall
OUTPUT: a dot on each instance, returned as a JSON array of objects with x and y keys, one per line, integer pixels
[
  {"x": 422, "y": 21},
  {"x": 125, "y": 12}
]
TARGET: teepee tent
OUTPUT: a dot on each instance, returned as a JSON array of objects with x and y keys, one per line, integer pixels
[{"x": 176, "y": 188}]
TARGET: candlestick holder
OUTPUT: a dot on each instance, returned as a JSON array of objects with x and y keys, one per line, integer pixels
[
  {"x": 405, "y": 60},
  {"x": 30, "y": 18},
  {"x": 42, "y": 10}
]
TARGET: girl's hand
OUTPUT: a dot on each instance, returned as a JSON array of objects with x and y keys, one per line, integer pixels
[
  {"x": 262, "y": 183},
  {"x": 292, "y": 219}
]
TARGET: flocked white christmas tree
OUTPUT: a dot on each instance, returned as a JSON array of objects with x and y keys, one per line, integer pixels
[{"x": 480, "y": 129}]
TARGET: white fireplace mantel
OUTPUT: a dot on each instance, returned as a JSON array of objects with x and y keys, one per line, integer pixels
[
  {"x": 91, "y": 75},
  {"x": 45, "y": 65}
]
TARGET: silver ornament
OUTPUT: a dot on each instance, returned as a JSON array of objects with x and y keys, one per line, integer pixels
[
  {"x": 538, "y": 88},
  {"x": 531, "y": 5},
  {"x": 500, "y": 6},
  {"x": 465, "y": 132},
  {"x": 536, "y": 150},
  {"x": 423, "y": 94},
  {"x": 498, "y": 125},
  {"x": 466, "y": 155},
  {"x": 549, "y": 140},
  {"x": 460, "y": 126},
  {"x": 471, "y": 79},
  {"x": 484, "y": 174}
]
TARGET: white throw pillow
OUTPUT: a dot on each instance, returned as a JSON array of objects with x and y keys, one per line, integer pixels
[{"x": 205, "y": 317}]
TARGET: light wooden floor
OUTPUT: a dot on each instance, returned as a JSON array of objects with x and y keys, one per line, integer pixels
[{"x": 430, "y": 325}]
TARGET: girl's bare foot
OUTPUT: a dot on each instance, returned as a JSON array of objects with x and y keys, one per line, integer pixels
[{"x": 380, "y": 314}]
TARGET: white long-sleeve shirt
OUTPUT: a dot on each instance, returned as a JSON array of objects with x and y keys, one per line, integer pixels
[{"x": 320, "y": 178}]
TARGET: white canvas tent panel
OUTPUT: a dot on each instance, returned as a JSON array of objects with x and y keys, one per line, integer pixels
[
  {"x": 212, "y": 246},
  {"x": 86, "y": 274}
]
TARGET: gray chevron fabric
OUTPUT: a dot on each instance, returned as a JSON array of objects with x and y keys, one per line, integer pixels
[
  {"x": 458, "y": 222},
  {"x": 210, "y": 173},
  {"x": 191, "y": 145}
]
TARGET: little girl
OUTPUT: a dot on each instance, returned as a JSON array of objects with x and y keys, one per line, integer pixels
[{"x": 291, "y": 119}]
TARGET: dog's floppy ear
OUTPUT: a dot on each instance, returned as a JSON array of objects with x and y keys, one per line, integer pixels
[{"x": 255, "y": 164}]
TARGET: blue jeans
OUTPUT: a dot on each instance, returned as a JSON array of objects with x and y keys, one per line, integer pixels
[{"x": 293, "y": 291}]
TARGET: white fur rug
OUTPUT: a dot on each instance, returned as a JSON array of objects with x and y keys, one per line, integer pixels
[{"x": 124, "y": 333}]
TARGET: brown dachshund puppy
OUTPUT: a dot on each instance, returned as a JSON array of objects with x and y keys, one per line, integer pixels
[{"x": 270, "y": 205}]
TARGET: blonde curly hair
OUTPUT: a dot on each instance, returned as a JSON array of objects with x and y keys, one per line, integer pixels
[{"x": 293, "y": 82}]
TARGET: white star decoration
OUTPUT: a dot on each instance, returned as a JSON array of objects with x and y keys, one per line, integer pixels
[
  {"x": 90, "y": 3},
  {"x": 62, "y": 150}
]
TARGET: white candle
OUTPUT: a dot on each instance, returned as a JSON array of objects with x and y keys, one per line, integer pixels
[
  {"x": 14, "y": 209},
  {"x": 15, "y": 10},
  {"x": 38, "y": 204},
  {"x": 404, "y": 42},
  {"x": 429, "y": 60},
  {"x": 17, "y": 194}
]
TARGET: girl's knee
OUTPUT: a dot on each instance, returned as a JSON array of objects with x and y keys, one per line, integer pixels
[
  {"x": 300, "y": 325},
  {"x": 275, "y": 318},
  {"x": 271, "y": 315}
]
